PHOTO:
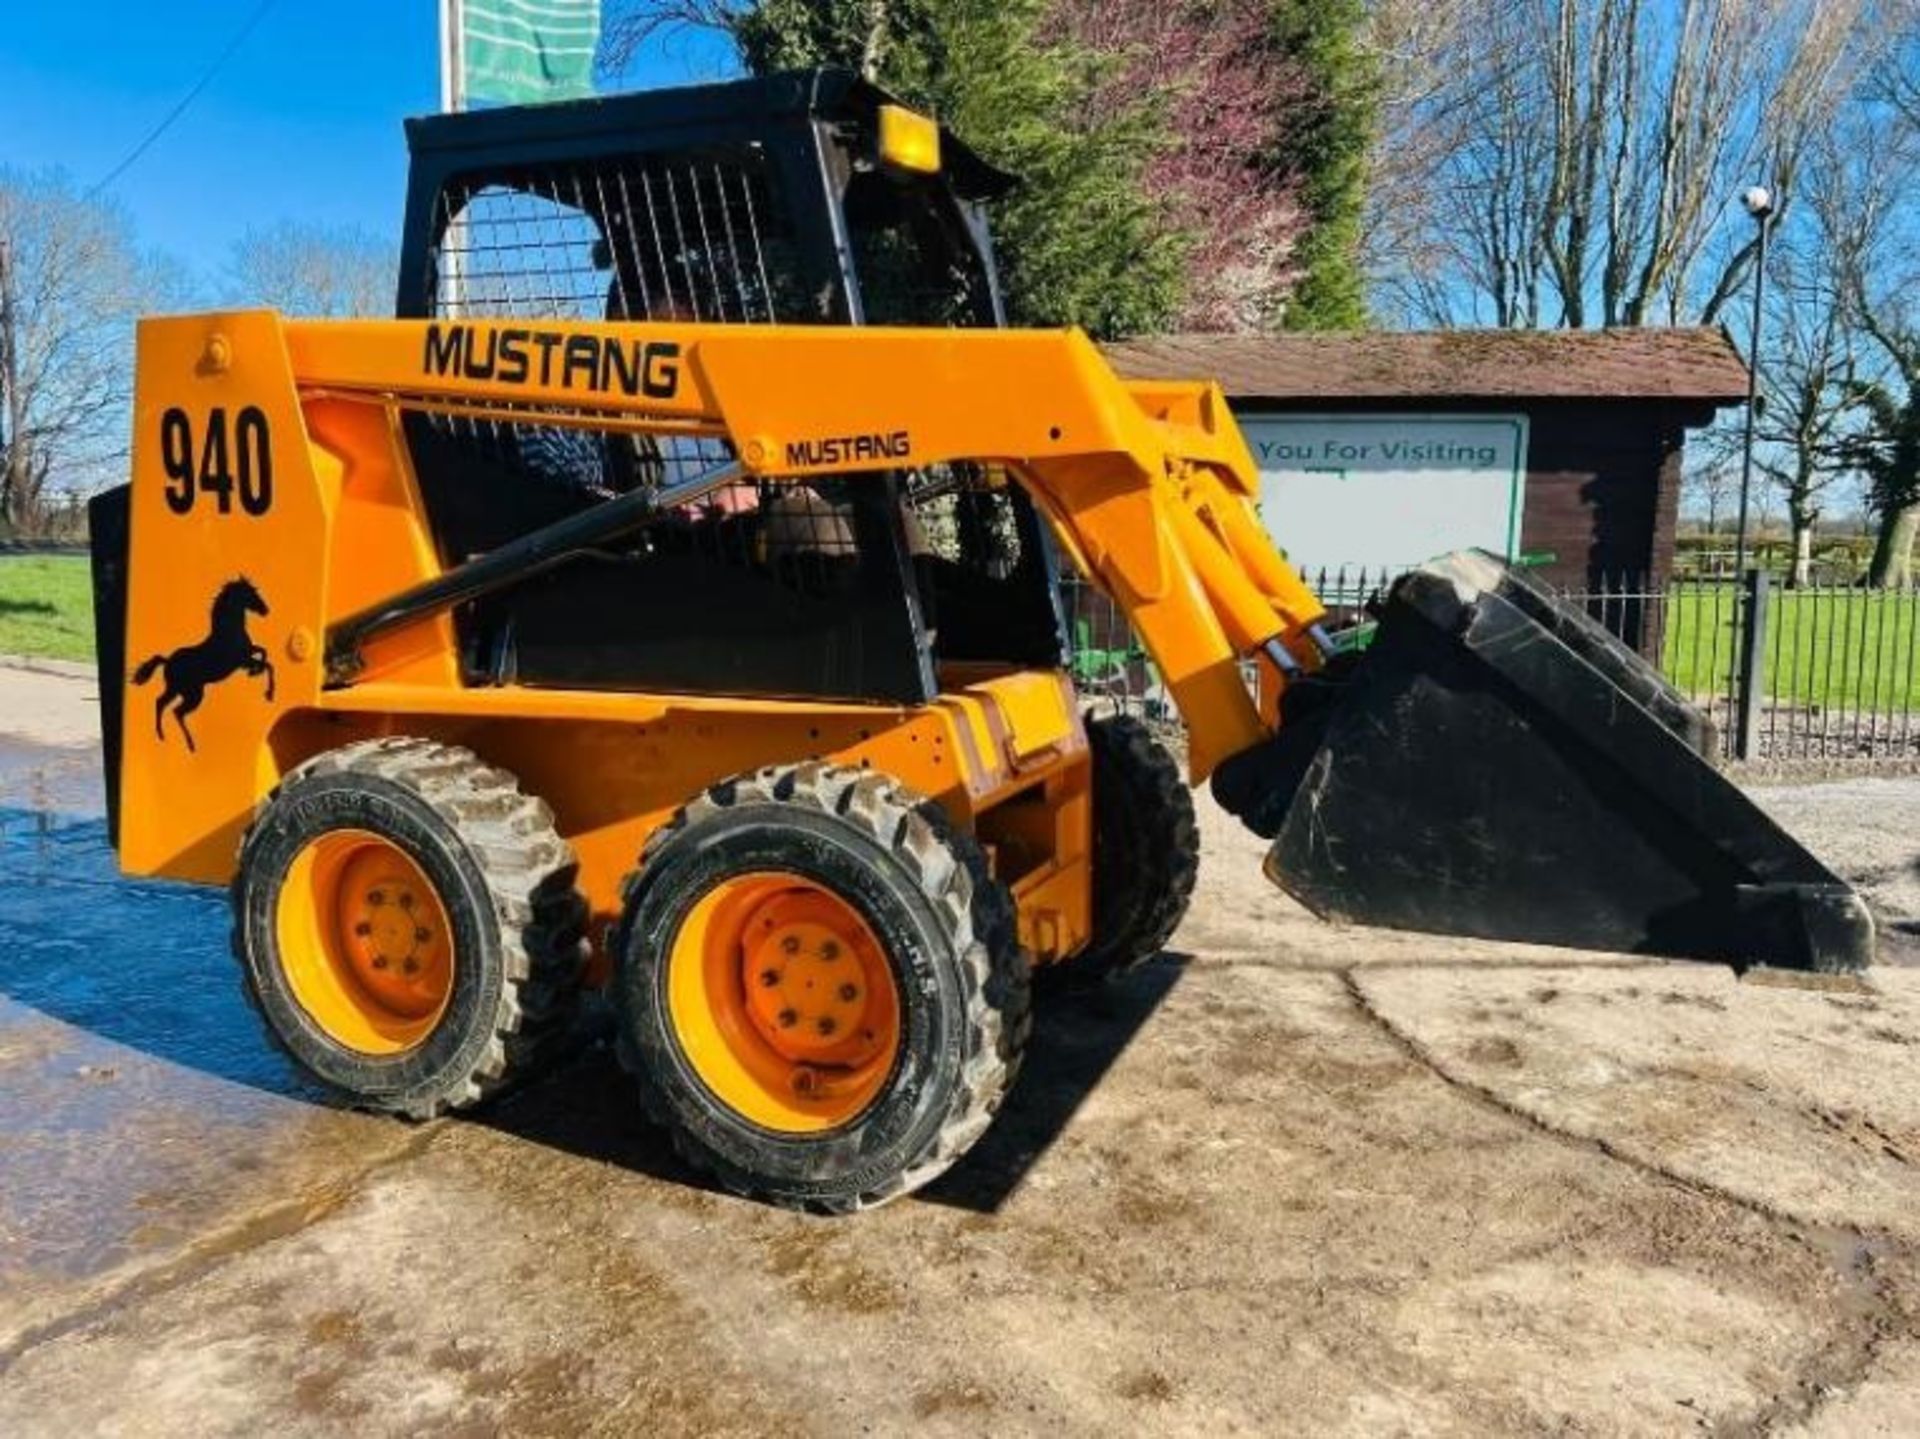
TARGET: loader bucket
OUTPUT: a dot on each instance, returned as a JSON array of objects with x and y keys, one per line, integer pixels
[{"x": 1498, "y": 765}]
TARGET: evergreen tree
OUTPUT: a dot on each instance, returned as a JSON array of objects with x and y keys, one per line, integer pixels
[
  {"x": 1222, "y": 87},
  {"x": 1080, "y": 241},
  {"x": 1325, "y": 139}
]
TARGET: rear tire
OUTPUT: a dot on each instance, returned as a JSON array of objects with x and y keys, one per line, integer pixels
[
  {"x": 1146, "y": 848},
  {"x": 728, "y": 970},
  {"x": 408, "y": 926}
]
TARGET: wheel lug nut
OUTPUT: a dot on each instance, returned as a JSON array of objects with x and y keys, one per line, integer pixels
[
  {"x": 376, "y": 896},
  {"x": 805, "y": 1081},
  {"x": 829, "y": 950},
  {"x": 411, "y": 966},
  {"x": 363, "y": 929},
  {"x": 379, "y": 961},
  {"x": 769, "y": 978},
  {"x": 849, "y": 993},
  {"x": 421, "y": 936},
  {"x": 790, "y": 945},
  {"x": 825, "y": 1025},
  {"x": 406, "y": 899},
  {"x": 788, "y": 1019}
]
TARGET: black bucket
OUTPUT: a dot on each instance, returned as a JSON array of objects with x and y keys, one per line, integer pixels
[{"x": 1499, "y": 765}]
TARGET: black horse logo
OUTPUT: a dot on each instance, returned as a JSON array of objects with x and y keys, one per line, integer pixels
[{"x": 227, "y": 648}]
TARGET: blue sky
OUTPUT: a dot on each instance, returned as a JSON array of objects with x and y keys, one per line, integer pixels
[{"x": 304, "y": 122}]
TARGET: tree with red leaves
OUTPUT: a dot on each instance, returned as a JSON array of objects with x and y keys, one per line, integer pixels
[
  {"x": 1176, "y": 152},
  {"x": 1220, "y": 177}
]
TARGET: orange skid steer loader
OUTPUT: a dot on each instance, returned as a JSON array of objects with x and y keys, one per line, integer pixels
[{"x": 665, "y": 603}]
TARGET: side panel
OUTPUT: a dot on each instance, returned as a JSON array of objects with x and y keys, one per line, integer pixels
[
  {"x": 224, "y": 606},
  {"x": 1003, "y": 759}
]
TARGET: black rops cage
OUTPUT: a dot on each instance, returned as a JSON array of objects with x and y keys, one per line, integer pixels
[{"x": 758, "y": 202}]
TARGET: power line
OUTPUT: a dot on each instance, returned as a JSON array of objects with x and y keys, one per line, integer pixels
[{"x": 206, "y": 78}]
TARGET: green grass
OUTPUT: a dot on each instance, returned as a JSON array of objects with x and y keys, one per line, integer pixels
[
  {"x": 46, "y": 606},
  {"x": 1846, "y": 649}
]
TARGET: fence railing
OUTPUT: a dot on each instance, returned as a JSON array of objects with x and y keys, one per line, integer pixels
[
  {"x": 1822, "y": 672},
  {"x": 1827, "y": 673}
]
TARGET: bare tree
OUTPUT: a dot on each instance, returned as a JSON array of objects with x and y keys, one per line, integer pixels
[
  {"x": 1872, "y": 232},
  {"x": 1803, "y": 432},
  {"x": 1710, "y": 486},
  {"x": 1896, "y": 75},
  {"x": 628, "y": 27},
  {"x": 1889, "y": 454},
  {"x": 1583, "y": 152},
  {"x": 863, "y": 30},
  {"x": 305, "y": 269},
  {"x": 71, "y": 284},
  {"x": 1450, "y": 200}
]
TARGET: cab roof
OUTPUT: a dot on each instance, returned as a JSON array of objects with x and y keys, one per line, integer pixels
[{"x": 741, "y": 107}]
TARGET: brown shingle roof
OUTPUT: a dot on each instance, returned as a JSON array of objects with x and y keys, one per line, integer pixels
[{"x": 1689, "y": 364}]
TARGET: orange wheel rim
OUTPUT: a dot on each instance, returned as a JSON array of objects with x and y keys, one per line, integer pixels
[
  {"x": 783, "y": 1002},
  {"x": 365, "y": 943}
]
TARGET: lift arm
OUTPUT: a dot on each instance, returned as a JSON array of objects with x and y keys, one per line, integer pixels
[{"x": 1149, "y": 487}]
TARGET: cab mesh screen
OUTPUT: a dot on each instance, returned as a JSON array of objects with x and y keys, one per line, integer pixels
[
  {"x": 689, "y": 236},
  {"x": 693, "y": 235}
]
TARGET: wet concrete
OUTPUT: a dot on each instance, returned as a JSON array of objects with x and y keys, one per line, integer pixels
[
  {"x": 142, "y": 1109},
  {"x": 1286, "y": 1179}
]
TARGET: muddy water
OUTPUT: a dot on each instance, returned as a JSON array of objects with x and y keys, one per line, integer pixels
[{"x": 141, "y": 1105}]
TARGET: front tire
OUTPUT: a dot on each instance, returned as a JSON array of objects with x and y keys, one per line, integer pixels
[
  {"x": 819, "y": 987},
  {"x": 1146, "y": 848},
  {"x": 408, "y": 927}
]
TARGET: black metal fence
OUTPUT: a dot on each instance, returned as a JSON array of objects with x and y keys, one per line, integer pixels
[
  {"x": 1819, "y": 672},
  {"x": 1814, "y": 672},
  {"x": 1108, "y": 662}
]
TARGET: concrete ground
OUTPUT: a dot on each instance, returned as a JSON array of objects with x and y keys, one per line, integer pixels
[{"x": 1287, "y": 1179}]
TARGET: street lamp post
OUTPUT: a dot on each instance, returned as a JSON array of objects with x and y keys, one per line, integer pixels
[{"x": 1759, "y": 203}]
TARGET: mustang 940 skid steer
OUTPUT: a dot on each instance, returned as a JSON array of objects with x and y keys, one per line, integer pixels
[{"x": 665, "y": 603}]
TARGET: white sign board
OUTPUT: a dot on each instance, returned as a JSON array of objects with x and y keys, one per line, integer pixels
[{"x": 1388, "y": 491}]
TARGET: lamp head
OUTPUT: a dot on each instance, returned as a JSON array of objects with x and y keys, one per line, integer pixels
[{"x": 1759, "y": 201}]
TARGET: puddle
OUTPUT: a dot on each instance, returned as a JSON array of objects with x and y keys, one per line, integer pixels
[
  {"x": 140, "y": 964},
  {"x": 140, "y": 1100},
  {"x": 143, "y": 964}
]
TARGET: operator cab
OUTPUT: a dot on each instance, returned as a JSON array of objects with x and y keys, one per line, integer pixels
[{"x": 805, "y": 198}]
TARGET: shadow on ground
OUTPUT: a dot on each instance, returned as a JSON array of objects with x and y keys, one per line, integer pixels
[
  {"x": 1078, "y": 1034},
  {"x": 588, "y": 1107}
]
